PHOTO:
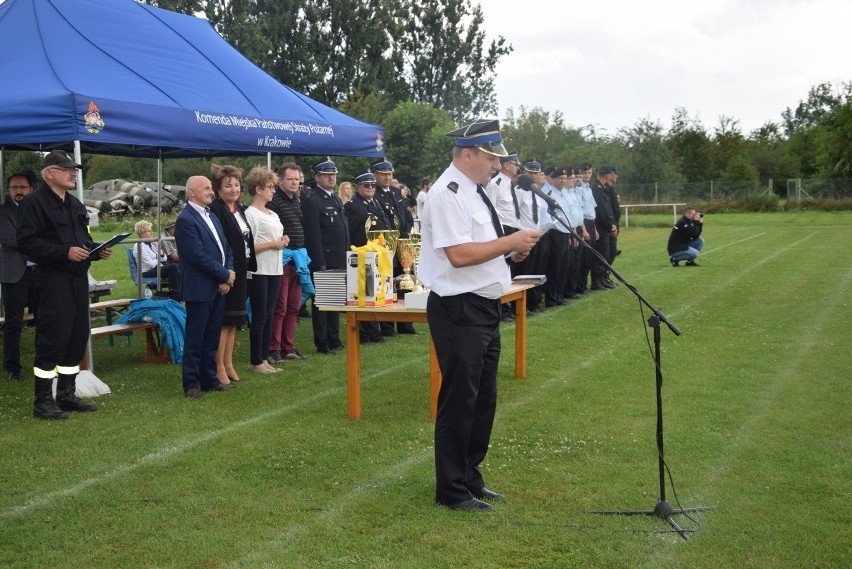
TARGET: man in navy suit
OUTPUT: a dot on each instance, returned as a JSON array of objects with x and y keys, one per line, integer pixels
[{"x": 206, "y": 267}]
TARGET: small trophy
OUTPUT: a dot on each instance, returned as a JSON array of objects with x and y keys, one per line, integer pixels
[{"x": 408, "y": 250}]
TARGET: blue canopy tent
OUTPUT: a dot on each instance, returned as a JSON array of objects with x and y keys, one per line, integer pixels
[
  {"x": 124, "y": 78},
  {"x": 127, "y": 78}
]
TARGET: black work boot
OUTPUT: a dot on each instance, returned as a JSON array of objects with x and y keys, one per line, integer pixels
[
  {"x": 66, "y": 396},
  {"x": 44, "y": 406}
]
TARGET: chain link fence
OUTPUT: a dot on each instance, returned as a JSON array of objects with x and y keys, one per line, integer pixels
[{"x": 796, "y": 190}]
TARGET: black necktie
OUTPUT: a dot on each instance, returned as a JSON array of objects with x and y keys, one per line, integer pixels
[
  {"x": 535, "y": 210},
  {"x": 495, "y": 221}
]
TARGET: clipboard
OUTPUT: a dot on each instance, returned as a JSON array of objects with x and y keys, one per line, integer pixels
[{"x": 114, "y": 240}]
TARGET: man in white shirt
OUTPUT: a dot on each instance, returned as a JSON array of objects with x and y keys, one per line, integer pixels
[{"x": 462, "y": 262}]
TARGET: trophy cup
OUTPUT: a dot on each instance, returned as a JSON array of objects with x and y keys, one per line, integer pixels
[
  {"x": 386, "y": 237},
  {"x": 407, "y": 250}
]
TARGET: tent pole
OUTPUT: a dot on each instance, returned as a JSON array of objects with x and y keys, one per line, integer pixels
[
  {"x": 269, "y": 161},
  {"x": 78, "y": 156},
  {"x": 159, "y": 212},
  {"x": 88, "y": 374}
]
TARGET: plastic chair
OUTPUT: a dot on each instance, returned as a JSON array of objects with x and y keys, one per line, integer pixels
[{"x": 150, "y": 282}]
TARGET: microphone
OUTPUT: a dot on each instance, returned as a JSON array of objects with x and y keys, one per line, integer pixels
[{"x": 526, "y": 183}]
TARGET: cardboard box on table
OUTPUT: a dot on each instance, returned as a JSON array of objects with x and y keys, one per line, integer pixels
[{"x": 371, "y": 278}]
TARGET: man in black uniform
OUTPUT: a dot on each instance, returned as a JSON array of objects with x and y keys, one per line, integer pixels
[
  {"x": 327, "y": 240},
  {"x": 605, "y": 224},
  {"x": 615, "y": 205},
  {"x": 53, "y": 233},
  {"x": 16, "y": 273},
  {"x": 390, "y": 198},
  {"x": 364, "y": 214}
]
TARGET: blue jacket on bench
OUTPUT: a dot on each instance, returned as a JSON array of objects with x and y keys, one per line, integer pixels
[{"x": 170, "y": 316}]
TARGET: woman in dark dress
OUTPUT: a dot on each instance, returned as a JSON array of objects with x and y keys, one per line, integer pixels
[{"x": 227, "y": 184}]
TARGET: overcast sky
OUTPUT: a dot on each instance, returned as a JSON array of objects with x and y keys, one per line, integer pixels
[{"x": 610, "y": 63}]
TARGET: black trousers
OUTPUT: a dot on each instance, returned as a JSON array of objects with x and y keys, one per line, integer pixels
[
  {"x": 535, "y": 264},
  {"x": 16, "y": 297},
  {"x": 613, "y": 249},
  {"x": 599, "y": 269},
  {"x": 572, "y": 281},
  {"x": 170, "y": 272},
  {"x": 588, "y": 257},
  {"x": 466, "y": 332},
  {"x": 326, "y": 329},
  {"x": 557, "y": 267},
  {"x": 62, "y": 328}
]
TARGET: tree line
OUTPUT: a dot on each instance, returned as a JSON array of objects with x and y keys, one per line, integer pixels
[{"x": 418, "y": 69}]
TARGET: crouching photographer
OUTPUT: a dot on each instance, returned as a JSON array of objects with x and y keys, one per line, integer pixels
[{"x": 685, "y": 241}]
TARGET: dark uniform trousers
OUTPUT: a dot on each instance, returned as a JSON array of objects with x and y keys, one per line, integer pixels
[
  {"x": 558, "y": 262},
  {"x": 588, "y": 258},
  {"x": 63, "y": 319},
  {"x": 599, "y": 269},
  {"x": 16, "y": 297},
  {"x": 572, "y": 282},
  {"x": 466, "y": 332},
  {"x": 612, "y": 249},
  {"x": 535, "y": 264}
]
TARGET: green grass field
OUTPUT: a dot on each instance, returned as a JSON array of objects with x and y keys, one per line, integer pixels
[{"x": 273, "y": 474}]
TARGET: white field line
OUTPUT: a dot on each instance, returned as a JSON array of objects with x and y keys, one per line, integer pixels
[
  {"x": 708, "y": 252},
  {"x": 788, "y": 370},
  {"x": 179, "y": 446}
]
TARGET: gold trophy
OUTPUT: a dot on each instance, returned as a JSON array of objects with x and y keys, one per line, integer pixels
[
  {"x": 408, "y": 250},
  {"x": 387, "y": 237}
]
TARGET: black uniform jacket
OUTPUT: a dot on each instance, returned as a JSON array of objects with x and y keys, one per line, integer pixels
[
  {"x": 362, "y": 218},
  {"x": 326, "y": 230},
  {"x": 49, "y": 226}
]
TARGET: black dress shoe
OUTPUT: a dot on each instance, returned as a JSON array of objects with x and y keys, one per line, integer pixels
[
  {"x": 220, "y": 387},
  {"x": 692, "y": 264},
  {"x": 486, "y": 494},
  {"x": 472, "y": 505},
  {"x": 14, "y": 376},
  {"x": 194, "y": 393},
  {"x": 674, "y": 262}
]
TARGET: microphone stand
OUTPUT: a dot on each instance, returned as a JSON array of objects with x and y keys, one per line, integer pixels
[{"x": 663, "y": 508}]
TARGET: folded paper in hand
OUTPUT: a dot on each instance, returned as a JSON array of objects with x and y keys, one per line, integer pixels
[{"x": 544, "y": 229}]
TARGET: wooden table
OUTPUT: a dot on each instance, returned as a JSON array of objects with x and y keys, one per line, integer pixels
[{"x": 398, "y": 313}]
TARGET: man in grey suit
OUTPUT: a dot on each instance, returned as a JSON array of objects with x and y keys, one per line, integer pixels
[{"x": 16, "y": 276}]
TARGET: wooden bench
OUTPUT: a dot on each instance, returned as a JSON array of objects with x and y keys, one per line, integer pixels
[
  {"x": 27, "y": 317},
  {"x": 111, "y": 306},
  {"x": 156, "y": 352}
]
